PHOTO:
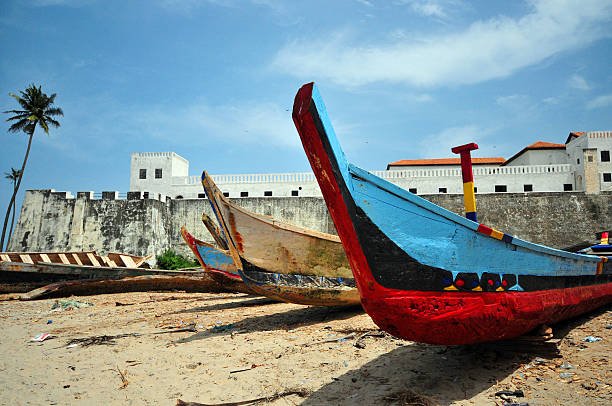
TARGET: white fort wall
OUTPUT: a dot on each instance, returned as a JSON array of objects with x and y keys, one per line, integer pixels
[
  {"x": 56, "y": 221},
  {"x": 583, "y": 165},
  {"x": 543, "y": 178}
]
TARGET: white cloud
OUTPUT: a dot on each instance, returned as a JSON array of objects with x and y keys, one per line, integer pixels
[
  {"x": 487, "y": 49},
  {"x": 551, "y": 100},
  {"x": 188, "y": 5},
  {"x": 431, "y": 8},
  {"x": 601, "y": 101},
  {"x": 249, "y": 123},
  {"x": 365, "y": 3},
  {"x": 578, "y": 82},
  {"x": 512, "y": 100}
]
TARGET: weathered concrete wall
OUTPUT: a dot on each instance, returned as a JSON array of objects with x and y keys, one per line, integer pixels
[{"x": 51, "y": 222}]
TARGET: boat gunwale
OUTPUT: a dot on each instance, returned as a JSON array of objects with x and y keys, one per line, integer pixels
[
  {"x": 391, "y": 188},
  {"x": 269, "y": 220}
]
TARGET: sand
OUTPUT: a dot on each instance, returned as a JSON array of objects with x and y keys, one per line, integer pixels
[{"x": 155, "y": 365}]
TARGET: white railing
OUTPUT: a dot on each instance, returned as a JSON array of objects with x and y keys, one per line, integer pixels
[
  {"x": 249, "y": 178},
  {"x": 153, "y": 154},
  {"x": 393, "y": 174},
  {"x": 600, "y": 134}
]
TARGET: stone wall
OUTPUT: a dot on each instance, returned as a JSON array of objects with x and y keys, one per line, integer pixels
[{"x": 51, "y": 221}]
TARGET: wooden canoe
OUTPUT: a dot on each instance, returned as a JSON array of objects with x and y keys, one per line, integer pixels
[
  {"x": 283, "y": 261},
  {"x": 24, "y": 271},
  {"x": 429, "y": 275},
  {"x": 217, "y": 263},
  {"x": 155, "y": 280}
]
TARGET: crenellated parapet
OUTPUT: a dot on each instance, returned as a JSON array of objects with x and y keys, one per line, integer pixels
[{"x": 139, "y": 225}]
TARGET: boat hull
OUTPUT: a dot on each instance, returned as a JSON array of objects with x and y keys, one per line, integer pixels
[
  {"x": 311, "y": 290},
  {"x": 448, "y": 318},
  {"x": 276, "y": 246},
  {"x": 181, "y": 280},
  {"x": 218, "y": 264},
  {"x": 429, "y": 275},
  {"x": 282, "y": 261}
]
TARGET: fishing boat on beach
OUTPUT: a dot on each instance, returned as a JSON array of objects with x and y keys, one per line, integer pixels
[
  {"x": 217, "y": 263},
  {"x": 44, "y": 274},
  {"x": 280, "y": 260},
  {"x": 22, "y": 271},
  {"x": 429, "y": 275}
]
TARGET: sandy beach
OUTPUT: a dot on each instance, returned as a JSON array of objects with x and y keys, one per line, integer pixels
[{"x": 223, "y": 348}]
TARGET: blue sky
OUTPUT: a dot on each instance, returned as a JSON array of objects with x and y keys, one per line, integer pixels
[{"x": 214, "y": 80}]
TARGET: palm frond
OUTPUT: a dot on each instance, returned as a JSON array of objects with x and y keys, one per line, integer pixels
[
  {"x": 19, "y": 126},
  {"x": 37, "y": 108},
  {"x": 19, "y": 116},
  {"x": 43, "y": 124},
  {"x": 53, "y": 122},
  {"x": 55, "y": 111}
]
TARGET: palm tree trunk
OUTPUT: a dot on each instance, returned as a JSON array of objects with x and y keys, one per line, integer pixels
[
  {"x": 12, "y": 215},
  {"x": 8, "y": 211}
]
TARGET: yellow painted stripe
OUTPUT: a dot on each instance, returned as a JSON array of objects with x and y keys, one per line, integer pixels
[
  {"x": 451, "y": 287},
  {"x": 477, "y": 289},
  {"x": 496, "y": 234},
  {"x": 500, "y": 289},
  {"x": 468, "y": 197}
]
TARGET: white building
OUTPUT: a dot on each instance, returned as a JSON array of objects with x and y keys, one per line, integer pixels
[{"x": 581, "y": 164}]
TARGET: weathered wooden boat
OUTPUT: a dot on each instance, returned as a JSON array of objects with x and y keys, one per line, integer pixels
[
  {"x": 429, "y": 275},
  {"x": 23, "y": 271},
  {"x": 604, "y": 248},
  {"x": 153, "y": 280},
  {"x": 283, "y": 261},
  {"x": 217, "y": 263}
]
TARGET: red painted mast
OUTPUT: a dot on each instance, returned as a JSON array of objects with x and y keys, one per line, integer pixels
[{"x": 469, "y": 197}]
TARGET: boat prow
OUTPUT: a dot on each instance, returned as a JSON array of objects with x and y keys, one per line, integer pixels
[{"x": 429, "y": 275}]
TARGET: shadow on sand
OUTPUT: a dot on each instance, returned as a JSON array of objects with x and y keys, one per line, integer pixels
[
  {"x": 304, "y": 316},
  {"x": 252, "y": 301},
  {"x": 444, "y": 374}
]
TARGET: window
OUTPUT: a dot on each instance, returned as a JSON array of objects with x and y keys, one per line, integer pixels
[
  {"x": 475, "y": 189},
  {"x": 145, "y": 195},
  {"x": 527, "y": 188},
  {"x": 607, "y": 177},
  {"x": 413, "y": 190},
  {"x": 143, "y": 174},
  {"x": 567, "y": 187},
  {"x": 158, "y": 173},
  {"x": 294, "y": 193},
  {"x": 225, "y": 194},
  {"x": 605, "y": 156},
  {"x": 590, "y": 159},
  {"x": 201, "y": 195},
  {"x": 268, "y": 193},
  {"x": 578, "y": 161},
  {"x": 442, "y": 190},
  {"x": 244, "y": 194},
  {"x": 500, "y": 188},
  {"x": 179, "y": 197}
]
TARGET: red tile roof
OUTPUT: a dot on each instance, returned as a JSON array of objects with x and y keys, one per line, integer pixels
[
  {"x": 543, "y": 145},
  {"x": 574, "y": 134},
  {"x": 446, "y": 161},
  {"x": 535, "y": 145}
]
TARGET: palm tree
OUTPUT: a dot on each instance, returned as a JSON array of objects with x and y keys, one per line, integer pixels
[
  {"x": 38, "y": 109},
  {"x": 12, "y": 176}
]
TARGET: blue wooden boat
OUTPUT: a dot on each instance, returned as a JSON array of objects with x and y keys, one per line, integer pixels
[
  {"x": 429, "y": 275},
  {"x": 218, "y": 264},
  {"x": 283, "y": 261}
]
